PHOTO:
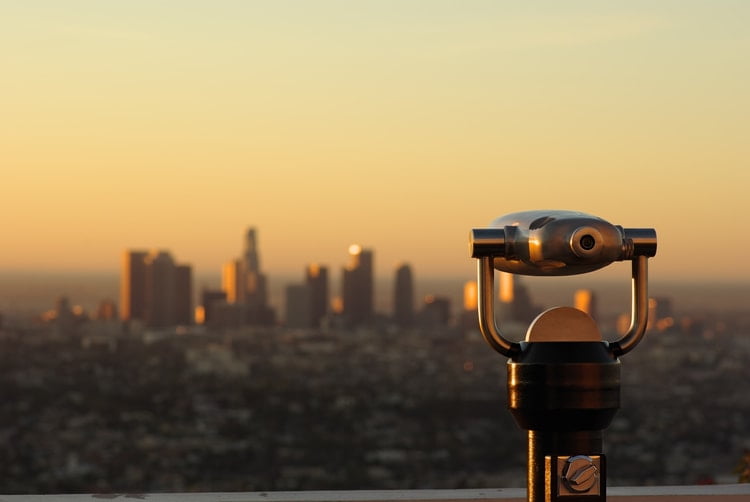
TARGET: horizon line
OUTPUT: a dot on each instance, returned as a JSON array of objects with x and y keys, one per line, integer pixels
[{"x": 289, "y": 275}]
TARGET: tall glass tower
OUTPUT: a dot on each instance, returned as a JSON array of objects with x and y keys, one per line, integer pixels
[
  {"x": 316, "y": 278},
  {"x": 255, "y": 287},
  {"x": 403, "y": 297},
  {"x": 246, "y": 286},
  {"x": 358, "y": 286}
]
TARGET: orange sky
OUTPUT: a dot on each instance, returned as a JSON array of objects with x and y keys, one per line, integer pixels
[{"x": 397, "y": 125}]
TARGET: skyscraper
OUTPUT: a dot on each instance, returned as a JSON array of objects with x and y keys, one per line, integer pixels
[
  {"x": 246, "y": 286},
  {"x": 133, "y": 285},
  {"x": 469, "y": 320},
  {"x": 358, "y": 286},
  {"x": 436, "y": 312},
  {"x": 183, "y": 295},
  {"x": 585, "y": 301},
  {"x": 155, "y": 290},
  {"x": 255, "y": 287},
  {"x": 515, "y": 302},
  {"x": 316, "y": 278},
  {"x": 231, "y": 281},
  {"x": 161, "y": 289},
  {"x": 209, "y": 301},
  {"x": 471, "y": 295},
  {"x": 403, "y": 297},
  {"x": 298, "y": 306}
]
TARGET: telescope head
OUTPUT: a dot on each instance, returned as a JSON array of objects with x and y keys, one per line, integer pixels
[{"x": 555, "y": 243}]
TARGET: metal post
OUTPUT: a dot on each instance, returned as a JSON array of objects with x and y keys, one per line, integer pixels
[
  {"x": 549, "y": 469},
  {"x": 564, "y": 394}
]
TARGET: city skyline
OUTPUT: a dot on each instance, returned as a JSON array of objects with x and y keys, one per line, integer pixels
[
  {"x": 157, "y": 292},
  {"x": 227, "y": 284},
  {"x": 399, "y": 126}
]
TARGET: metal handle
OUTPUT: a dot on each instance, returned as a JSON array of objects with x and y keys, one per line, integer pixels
[
  {"x": 639, "y": 308},
  {"x": 492, "y": 335},
  {"x": 486, "y": 310}
]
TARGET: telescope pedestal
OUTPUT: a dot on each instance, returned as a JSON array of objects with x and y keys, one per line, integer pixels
[{"x": 564, "y": 394}]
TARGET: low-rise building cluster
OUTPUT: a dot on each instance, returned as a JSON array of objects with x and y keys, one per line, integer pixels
[{"x": 272, "y": 409}]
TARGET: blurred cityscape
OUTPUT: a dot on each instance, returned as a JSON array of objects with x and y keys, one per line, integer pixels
[{"x": 172, "y": 389}]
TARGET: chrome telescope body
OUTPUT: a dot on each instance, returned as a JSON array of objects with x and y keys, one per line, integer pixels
[{"x": 558, "y": 243}]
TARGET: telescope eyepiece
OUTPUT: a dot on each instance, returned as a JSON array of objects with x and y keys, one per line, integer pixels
[{"x": 586, "y": 242}]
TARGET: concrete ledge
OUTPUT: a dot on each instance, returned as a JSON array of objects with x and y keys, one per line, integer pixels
[{"x": 712, "y": 493}]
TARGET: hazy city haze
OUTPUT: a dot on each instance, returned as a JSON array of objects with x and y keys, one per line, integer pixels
[{"x": 396, "y": 125}]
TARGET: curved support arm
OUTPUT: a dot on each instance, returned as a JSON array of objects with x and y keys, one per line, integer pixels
[
  {"x": 485, "y": 303},
  {"x": 639, "y": 309}
]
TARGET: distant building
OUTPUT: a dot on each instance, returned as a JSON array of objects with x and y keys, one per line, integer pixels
[
  {"x": 255, "y": 283},
  {"x": 660, "y": 313},
  {"x": 515, "y": 301},
  {"x": 64, "y": 317},
  {"x": 469, "y": 317},
  {"x": 471, "y": 296},
  {"x": 225, "y": 315},
  {"x": 316, "y": 278},
  {"x": 299, "y": 306},
  {"x": 209, "y": 299},
  {"x": 106, "y": 311},
  {"x": 585, "y": 301},
  {"x": 161, "y": 290},
  {"x": 184, "y": 295},
  {"x": 403, "y": 297},
  {"x": 358, "y": 287},
  {"x": 155, "y": 290},
  {"x": 436, "y": 312},
  {"x": 246, "y": 286},
  {"x": 133, "y": 285},
  {"x": 231, "y": 281}
]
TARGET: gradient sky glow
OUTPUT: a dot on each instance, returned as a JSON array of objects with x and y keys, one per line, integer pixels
[{"x": 398, "y": 125}]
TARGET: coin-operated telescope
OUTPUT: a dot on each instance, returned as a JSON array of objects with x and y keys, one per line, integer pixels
[{"x": 563, "y": 380}]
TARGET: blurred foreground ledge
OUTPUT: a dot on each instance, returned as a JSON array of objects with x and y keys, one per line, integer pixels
[{"x": 711, "y": 493}]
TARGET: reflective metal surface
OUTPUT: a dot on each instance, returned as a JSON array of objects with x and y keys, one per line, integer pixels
[
  {"x": 563, "y": 324},
  {"x": 556, "y": 243},
  {"x": 486, "y": 310},
  {"x": 578, "y": 475},
  {"x": 552, "y": 243},
  {"x": 639, "y": 309},
  {"x": 563, "y": 380}
]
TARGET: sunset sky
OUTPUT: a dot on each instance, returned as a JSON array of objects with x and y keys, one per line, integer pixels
[{"x": 398, "y": 125}]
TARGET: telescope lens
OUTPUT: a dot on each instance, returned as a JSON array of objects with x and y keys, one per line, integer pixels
[{"x": 587, "y": 242}]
